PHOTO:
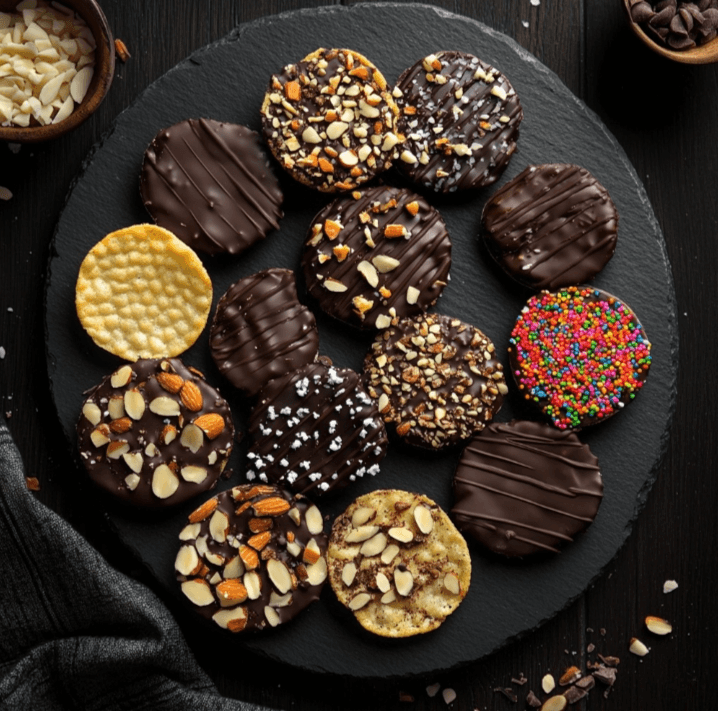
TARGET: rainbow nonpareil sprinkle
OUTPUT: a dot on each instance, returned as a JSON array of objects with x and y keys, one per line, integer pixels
[{"x": 580, "y": 354}]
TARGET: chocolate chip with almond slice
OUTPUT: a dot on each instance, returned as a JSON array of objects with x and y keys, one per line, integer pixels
[{"x": 261, "y": 571}]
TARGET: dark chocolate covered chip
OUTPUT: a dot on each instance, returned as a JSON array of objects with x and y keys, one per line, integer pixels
[
  {"x": 664, "y": 17},
  {"x": 678, "y": 27},
  {"x": 211, "y": 185},
  {"x": 679, "y": 42}
]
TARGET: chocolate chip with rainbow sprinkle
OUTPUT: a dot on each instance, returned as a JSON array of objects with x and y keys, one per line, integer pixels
[{"x": 579, "y": 354}]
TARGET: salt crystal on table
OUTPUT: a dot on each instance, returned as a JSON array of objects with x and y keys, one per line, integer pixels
[
  {"x": 2, "y": 352},
  {"x": 525, "y": 23},
  {"x": 536, "y": 2},
  {"x": 669, "y": 586}
]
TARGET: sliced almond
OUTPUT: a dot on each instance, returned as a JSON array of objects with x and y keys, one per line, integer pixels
[
  {"x": 193, "y": 473},
  {"x": 231, "y": 592},
  {"x": 362, "y": 533},
  {"x": 198, "y": 592},
  {"x": 215, "y": 559},
  {"x": 555, "y": 703},
  {"x": 121, "y": 377},
  {"x": 192, "y": 438},
  {"x": 100, "y": 436},
  {"x": 164, "y": 482},
  {"x": 124, "y": 424},
  {"x": 404, "y": 582},
  {"x": 249, "y": 557},
  {"x": 349, "y": 572},
  {"x": 134, "y": 404},
  {"x": 451, "y": 583},
  {"x": 171, "y": 382},
  {"x": 234, "y": 568},
  {"x": 165, "y": 407},
  {"x": 361, "y": 515},
  {"x": 187, "y": 561},
  {"x": 92, "y": 413},
  {"x": 368, "y": 271},
  {"x": 272, "y": 616},
  {"x": 548, "y": 683},
  {"x": 359, "y": 601},
  {"x": 382, "y": 582},
  {"x": 116, "y": 407},
  {"x": 387, "y": 597},
  {"x": 234, "y": 620},
  {"x": 79, "y": 84},
  {"x": 412, "y": 295},
  {"x": 190, "y": 532},
  {"x": 637, "y": 647},
  {"x": 116, "y": 449},
  {"x": 280, "y": 600},
  {"x": 571, "y": 675},
  {"x": 279, "y": 575},
  {"x": 401, "y": 534},
  {"x": 191, "y": 396},
  {"x": 389, "y": 553},
  {"x": 212, "y": 424},
  {"x": 314, "y": 520},
  {"x": 134, "y": 461},
  {"x": 670, "y": 586},
  {"x": 331, "y": 284},
  {"x": 201, "y": 513},
  {"x": 384, "y": 263},
  {"x": 424, "y": 519},
  {"x": 219, "y": 526},
  {"x": 201, "y": 545},
  {"x": 657, "y": 625},
  {"x": 373, "y": 546},
  {"x": 336, "y": 129},
  {"x": 317, "y": 573},
  {"x": 310, "y": 135},
  {"x": 294, "y": 549},
  {"x": 253, "y": 583},
  {"x": 382, "y": 321},
  {"x": 132, "y": 480}
]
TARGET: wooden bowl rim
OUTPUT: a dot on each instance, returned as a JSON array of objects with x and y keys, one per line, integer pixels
[
  {"x": 696, "y": 55},
  {"x": 100, "y": 85}
]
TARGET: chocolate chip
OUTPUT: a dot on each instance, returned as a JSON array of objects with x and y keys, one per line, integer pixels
[
  {"x": 520, "y": 681},
  {"x": 590, "y": 647},
  {"x": 642, "y": 12},
  {"x": 679, "y": 27},
  {"x": 660, "y": 6}
]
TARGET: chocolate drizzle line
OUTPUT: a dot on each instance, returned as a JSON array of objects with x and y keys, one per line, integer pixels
[
  {"x": 484, "y": 99},
  {"x": 315, "y": 430},
  {"x": 210, "y": 184},
  {"x": 261, "y": 331},
  {"x": 525, "y": 486},
  {"x": 423, "y": 255},
  {"x": 553, "y": 225}
]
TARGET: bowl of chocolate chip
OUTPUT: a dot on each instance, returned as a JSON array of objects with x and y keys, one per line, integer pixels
[
  {"x": 685, "y": 32},
  {"x": 56, "y": 66}
]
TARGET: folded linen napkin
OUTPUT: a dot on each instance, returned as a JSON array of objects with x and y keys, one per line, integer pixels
[{"x": 75, "y": 633}]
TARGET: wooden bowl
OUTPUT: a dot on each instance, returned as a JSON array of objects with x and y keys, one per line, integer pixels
[
  {"x": 92, "y": 14},
  {"x": 702, "y": 54}
]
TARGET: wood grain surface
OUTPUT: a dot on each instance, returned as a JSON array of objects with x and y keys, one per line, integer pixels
[{"x": 665, "y": 116}]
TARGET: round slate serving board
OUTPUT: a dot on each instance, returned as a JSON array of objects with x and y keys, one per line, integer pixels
[{"x": 226, "y": 81}]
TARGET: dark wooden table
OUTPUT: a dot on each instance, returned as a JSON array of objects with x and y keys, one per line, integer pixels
[{"x": 665, "y": 115}]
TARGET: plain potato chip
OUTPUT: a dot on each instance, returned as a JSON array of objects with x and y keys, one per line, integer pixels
[{"x": 143, "y": 293}]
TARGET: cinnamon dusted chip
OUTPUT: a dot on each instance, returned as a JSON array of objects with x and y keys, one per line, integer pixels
[
  {"x": 142, "y": 293},
  {"x": 154, "y": 455},
  {"x": 399, "y": 592},
  {"x": 252, "y": 578}
]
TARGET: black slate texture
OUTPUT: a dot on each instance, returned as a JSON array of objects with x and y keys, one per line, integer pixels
[{"x": 226, "y": 81}]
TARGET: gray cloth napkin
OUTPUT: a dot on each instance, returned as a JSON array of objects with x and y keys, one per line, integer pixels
[{"x": 74, "y": 632}]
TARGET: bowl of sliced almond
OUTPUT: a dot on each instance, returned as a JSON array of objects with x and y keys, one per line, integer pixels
[{"x": 57, "y": 61}]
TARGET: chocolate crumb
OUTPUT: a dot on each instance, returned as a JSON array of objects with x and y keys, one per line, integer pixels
[
  {"x": 32, "y": 483},
  {"x": 8, "y": 415},
  {"x": 609, "y": 661},
  {"x": 589, "y": 629},
  {"x": 573, "y": 694},
  {"x": 602, "y": 631},
  {"x": 508, "y": 693},
  {"x": 606, "y": 675},
  {"x": 587, "y": 683},
  {"x": 532, "y": 700},
  {"x": 520, "y": 681},
  {"x": 590, "y": 647},
  {"x": 408, "y": 698}
]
